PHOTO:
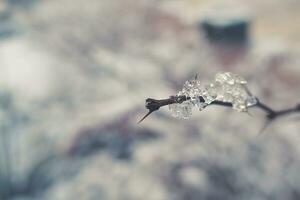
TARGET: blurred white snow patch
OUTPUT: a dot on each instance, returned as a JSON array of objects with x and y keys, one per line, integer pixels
[
  {"x": 126, "y": 67},
  {"x": 26, "y": 70},
  {"x": 191, "y": 11},
  {"x": 193, "y": 177}
]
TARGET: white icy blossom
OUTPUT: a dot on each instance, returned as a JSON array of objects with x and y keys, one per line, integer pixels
[
  {"x": 181, "y": 110},
  {"x": 227, "y": 87}
]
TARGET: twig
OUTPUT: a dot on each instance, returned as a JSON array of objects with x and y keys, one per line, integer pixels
[{"x": 271, "y": 114}]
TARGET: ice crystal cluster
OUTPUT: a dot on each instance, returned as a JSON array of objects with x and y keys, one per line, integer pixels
[{"x": 227, "y": 87}]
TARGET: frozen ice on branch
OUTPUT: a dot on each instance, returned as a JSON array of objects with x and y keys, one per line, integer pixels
[{"x": 227, "y": 87}]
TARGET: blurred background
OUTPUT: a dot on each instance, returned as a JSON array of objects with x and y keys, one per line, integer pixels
[{"x": 74, "y": 75}]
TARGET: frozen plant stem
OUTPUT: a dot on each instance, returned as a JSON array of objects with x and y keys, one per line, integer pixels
[
  {"x": 154, "y": 105},
  {"x": 272, "y": 114},
  {"x": 233, "y": 93}
]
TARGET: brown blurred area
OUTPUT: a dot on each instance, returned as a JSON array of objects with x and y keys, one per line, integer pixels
[{"x": 74, "y": 76}]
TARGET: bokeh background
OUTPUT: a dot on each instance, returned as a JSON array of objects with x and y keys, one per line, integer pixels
[{"x": 74, "y": 75}]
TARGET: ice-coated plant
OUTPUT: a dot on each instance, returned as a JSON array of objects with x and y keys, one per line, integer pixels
[{"x": 227, "y": 89}]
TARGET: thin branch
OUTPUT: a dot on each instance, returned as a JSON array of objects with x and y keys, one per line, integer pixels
[{"x": 271, "y": 114}]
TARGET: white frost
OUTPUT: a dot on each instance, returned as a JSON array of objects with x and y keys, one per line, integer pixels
[{"x": 227, "y": 87}]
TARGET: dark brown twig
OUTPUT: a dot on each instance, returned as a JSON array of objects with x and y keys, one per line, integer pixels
[
  {"x": 271, "y": 114},
  {"x": 154, "y": 105}
]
